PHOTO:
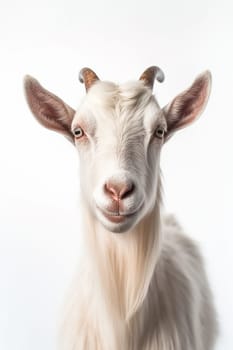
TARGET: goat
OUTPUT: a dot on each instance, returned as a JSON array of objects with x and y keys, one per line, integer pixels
[{"x": 143, "y": 284}]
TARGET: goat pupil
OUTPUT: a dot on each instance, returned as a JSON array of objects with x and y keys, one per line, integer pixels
[
  {"x": 160, "y": 132},
  {"x": 78, "y": 132}
]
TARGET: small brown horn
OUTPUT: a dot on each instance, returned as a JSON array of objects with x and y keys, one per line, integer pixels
[
  {"x": 88, "y": 77},
  {"x": 150, "y": 74}
]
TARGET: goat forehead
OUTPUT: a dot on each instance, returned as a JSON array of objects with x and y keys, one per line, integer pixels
[{"x": 129, "y": 106}]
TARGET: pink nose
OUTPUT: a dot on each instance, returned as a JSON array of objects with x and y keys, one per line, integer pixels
[{"x": 118, "y": 191}]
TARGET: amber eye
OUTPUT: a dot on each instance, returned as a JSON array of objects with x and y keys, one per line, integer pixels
[
  {"x": 160, "y": 132},
  {"x": 78, "y": 132}
]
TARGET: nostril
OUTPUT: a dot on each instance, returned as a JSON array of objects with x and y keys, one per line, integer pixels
[
  {"x": 119, "y": 191},
  {"x": 126, "y": 191}
]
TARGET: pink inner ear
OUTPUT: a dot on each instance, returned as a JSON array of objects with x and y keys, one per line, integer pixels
[
  {"x": 48, "y": 108},
  {"x": 187, "y": 106}
]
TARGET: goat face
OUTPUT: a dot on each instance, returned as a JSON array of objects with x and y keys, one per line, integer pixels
[{"x": 119, "y": 133}]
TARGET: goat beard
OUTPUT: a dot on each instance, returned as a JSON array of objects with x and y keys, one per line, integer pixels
[{"x": 124, "y": 264}]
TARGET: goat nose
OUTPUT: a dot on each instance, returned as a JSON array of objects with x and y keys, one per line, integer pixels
[{"x": 119, "y": 191}]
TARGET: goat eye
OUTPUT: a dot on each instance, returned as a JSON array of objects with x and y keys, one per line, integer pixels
[
  {"x": 78, "y": 132},
  {"x": 159, "y": 132}
]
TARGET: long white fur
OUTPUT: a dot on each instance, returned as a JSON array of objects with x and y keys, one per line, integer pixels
[{"x": 146, "y": 288}]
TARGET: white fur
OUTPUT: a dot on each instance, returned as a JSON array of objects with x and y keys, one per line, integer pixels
[{"x": 142, "y": 285}]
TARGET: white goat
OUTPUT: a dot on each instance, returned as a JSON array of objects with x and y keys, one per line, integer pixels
[{"x": 143, "y": 285}]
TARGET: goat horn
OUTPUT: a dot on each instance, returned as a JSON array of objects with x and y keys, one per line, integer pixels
[
  {"x": 88, "y": 77},
  {"x": 150, "y": 74}
]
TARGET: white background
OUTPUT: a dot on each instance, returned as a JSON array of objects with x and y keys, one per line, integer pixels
[{"x": 39, "y": 209}]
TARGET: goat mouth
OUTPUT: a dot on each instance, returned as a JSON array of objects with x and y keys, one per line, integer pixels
[
  {"x": 118, "y": 217},
  {"x": 118, "y": 222}
]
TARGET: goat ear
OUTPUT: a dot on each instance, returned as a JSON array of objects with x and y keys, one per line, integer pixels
[
  {"x": 49, "y": 109},
  {"x": 187, "y": 106}
]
